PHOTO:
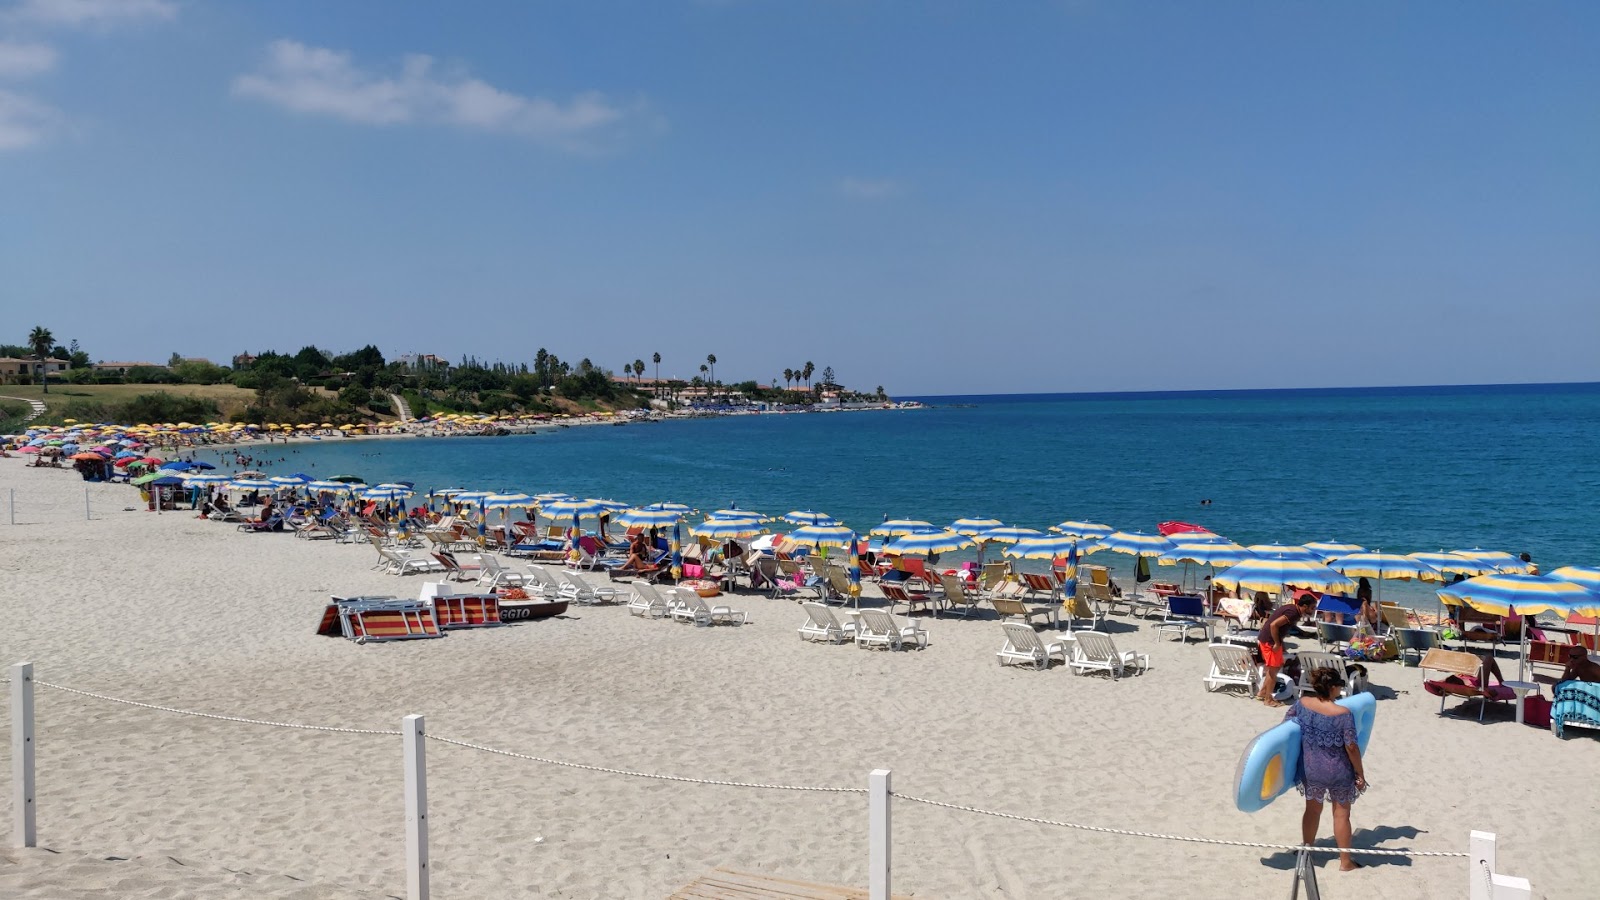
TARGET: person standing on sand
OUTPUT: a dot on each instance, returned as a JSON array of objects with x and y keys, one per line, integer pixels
[
  {"x": 1270, "y": 642},
  {"x": 1330, "y": 761}
]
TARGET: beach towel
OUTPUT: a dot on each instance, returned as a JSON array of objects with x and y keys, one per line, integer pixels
[{"x": 1575, "y": 701}]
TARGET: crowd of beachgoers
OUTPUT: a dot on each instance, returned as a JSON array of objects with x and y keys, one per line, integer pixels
[{"x": 748, "y": 703}]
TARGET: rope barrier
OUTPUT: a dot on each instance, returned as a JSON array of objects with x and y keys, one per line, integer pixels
[
  {"x": 1099, "y": 829},
  {"x": 651, "y": 775},
  {"x": 205, "y": 715},
  {"x": 1188, "y": 839}
]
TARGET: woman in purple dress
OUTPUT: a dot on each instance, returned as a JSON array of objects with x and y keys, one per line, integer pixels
[{"x": 1330, "y": 761}]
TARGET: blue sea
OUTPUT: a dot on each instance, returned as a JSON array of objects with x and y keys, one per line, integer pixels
[{"x": 1514, "y": 468}]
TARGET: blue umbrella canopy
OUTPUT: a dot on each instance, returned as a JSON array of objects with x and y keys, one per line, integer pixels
[
  {"x": 1375, "y": 564},
  {"x": 971, "y": 526},
  {"x": 808, "y": 517},
  {"x": 925, "y": 542},
  {"x": 251, "y": 484},
  {"x": 1262, "y": 574},
  {"x": 1050, "y": 546},
  {"x": 1583, "y": 576},
  {"x": 1453, "y": 563},
  {"x": 205, "y": 479},
  {"x": 647, "y": 517},
  {"x": 727, "y": 529},
  {"x": 507, "y": 501},
  {"x": 1090, "y": 530},
  {"x": 555, "y": 495},
  {"x": 1287, "y": 551},
  {"x": 577, "y": 509},
  {"x": 736, "y": 513},
  {"x": 1135, "y": 543},
  {"x": 331, "y": 487},
  {"x": 1528, "y": 594},
  {"x": 1006, "y": 534},
  {"x": 1327, "y": 550},
  {"x": 290, "y": 480},
  {"x": 822, "y": 535},
  {"x": 1502, "y": 561},
  {"x": 388, "y": 494},
  {"x": 895, "y": 527},
  {"x": 1205, "y": 554}
]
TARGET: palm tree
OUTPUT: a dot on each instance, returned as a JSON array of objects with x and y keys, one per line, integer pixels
[
  {"x": 41, "y": 340},
  {"x": 807, "y": 372},
  {"x": 711, "y": 360},
  {"x": 788, "y": 376},
  {"x": 627, "y": 370},
  {"x": 638, "y": 369},
  {"x": 657, "y": 359}
]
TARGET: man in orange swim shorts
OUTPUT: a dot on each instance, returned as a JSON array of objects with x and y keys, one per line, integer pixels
[{"x": 1270, "y": 641}]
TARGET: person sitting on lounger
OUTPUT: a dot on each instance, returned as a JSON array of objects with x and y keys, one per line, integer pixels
[
  {"x": 1580, "y": 667},
  {"x": 638, "y": 555}
]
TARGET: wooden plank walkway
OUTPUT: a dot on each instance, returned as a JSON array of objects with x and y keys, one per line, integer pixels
[{"x": 726, "y": 884}]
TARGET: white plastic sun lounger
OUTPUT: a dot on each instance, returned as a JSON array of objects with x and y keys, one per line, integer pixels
[
  {"x": 1023, "y": 645},
  {"x": 647, "y": 601},
  {"x": 878, "y": 628},
  {"x": 575, "y": 589},
  {"x": 1095, "y": 651},
  {"x": 822, "y": 625},
  {"x": 693, "y": 608},
  {"x": 1232, "y": 665},
  {"x": 493, "y": 575}
]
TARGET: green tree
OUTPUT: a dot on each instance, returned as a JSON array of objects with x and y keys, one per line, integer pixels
[
  {"x": 788, "y": 376},
  {"x": 711, "y": 360},
  {"x": 657, "y": 358},
  {"x": 638, "y": 368},
  {"x": 40, "y": 341},
  {"x": 881, "y": 394},
  {"x": 76, "y": 356},
  {"x": 806, "y": 372},
  {"x": 827, "y": 377}
]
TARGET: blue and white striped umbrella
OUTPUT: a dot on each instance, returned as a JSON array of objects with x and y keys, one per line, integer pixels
[
  {"x": 1050, "y": 546},
  {"x": 736, "y": 513},
  {"x": 647, "y": 517},
  {"x": 1503, "y": 562},
  {"x": 556, "y": 495},
  {"x": 822, "y": 535},
  {"x": 290, "y": 480},
  {"x": 896, "y": 527},
  {"x": 1227, "y": 554},
  {"x": 972, "y": 526},
  {"x": 507, "y": 501},
  {"x": 465, "y": 499},
  {"x": 1069, "y": 578},
  {"x": 389, "y": 494},
  {"x": 1260, "y": 574},
  {"x": 328, "y": 487},
  {"x": 1583, "y": 576},
  {"x": 614, "y": 505},
  {"x": 1528, "y": 594},
  {"x": 1135, "y": 543},
  {"x": 1375, "y": 564},
  {"x": 1006, "y": 534},
  {"x": 670, "y": 507},
  {"x": 727, "y": 529},
  {"x": 251, "y": 484},
  {"x": 808, "y": 517},
  {"x": 1088, "y": 530},
  {"x": 577, "y": 509},
  {"x": 853, "y": 569},
  {"x": 206, "y": 478},
  {"x": 1453, "y": 563},
  {"x": 1327, "y": 550},
  {"x": 1287, "y": 551},
  {"x": 925, "y": 542}
]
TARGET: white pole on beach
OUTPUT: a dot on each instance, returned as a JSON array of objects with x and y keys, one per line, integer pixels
[
  {"x": 86, "y": 503},
  {"x": 1483, "y": 881},
  {"x": 878, "y": 842},
  {"x": 416, "y": 809},
  {"x": 13, "y": 506},
  {"x": 25, "y": 834}
]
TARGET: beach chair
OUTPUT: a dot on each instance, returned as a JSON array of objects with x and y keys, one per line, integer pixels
[
  {"x": 368, "y": 621},
  {"x": 574, "y": 589},
  {"x": 1466, "y": 676},
  {"x": 1331, "y": 634},
  {"x": 1080, "y": 606},
  {"x": 839, "y": 587},
  {"x": 1095, "y": 651},
  {"x": 693, "y": 608},
  {"x": 1034, "y": 584},
  {"x": 1024, "y": 646},
  {"x": 273, "y": 522},
  {"x": 648, "y": 602},
  {"x": 1232, "y": 665},
  {"x": 916, "y": 569},
  {"x": 1010, "y": 608},
  {"x": 1480, "y": 627},
  {"x": 1415, "y": 642},
  {"x": 822, "y": 625},
  {"x": 1185, "y": 613},
  {"x": 878, "y": 628},
  {"x": 991, "y": 576},
  {"x": 541, "y": 579},
  {"x": 1312, "y": 660},
  {"x": 492, "y": 574},
  {"x": 591, "y": 554},
  {"x": 403, "y": 562},
  {"x": 1396, "y": 616},
  {"x": 454, "y": 570},
  {"x": 455, "y": 611},
  {"x": 957, "y": 596},
  {"x": 897, "y": 595}
]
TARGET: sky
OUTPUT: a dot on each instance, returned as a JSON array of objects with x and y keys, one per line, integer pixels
[{"x": 937, "y": 197}]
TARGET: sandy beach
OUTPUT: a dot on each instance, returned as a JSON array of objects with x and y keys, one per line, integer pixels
[{"x": 176, "y": 611}]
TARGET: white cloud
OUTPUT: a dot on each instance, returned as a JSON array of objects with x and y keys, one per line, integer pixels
[
  {"x": 94, "y": 12},
  {"x": 319, "y": 81},
  {"x": 869, "y": 188},
  {"x": 23, "y": 121},
  {"x": 19, "y": 60}
]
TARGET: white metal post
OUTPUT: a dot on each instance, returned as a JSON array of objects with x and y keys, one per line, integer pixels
[
  {"x": 13, "y": 506},
  {"x": 86, "y": 503},
  {"x": 22, "y": 807},
  {"x": 878, "y": 841},
  {"x": 1485, "y": 882},
  {"x": 416, "y": 809}
]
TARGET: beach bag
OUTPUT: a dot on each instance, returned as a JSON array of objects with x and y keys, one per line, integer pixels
[{"x": 1536, "y": 711}]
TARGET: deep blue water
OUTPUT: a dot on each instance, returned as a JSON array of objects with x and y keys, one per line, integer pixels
[{"x": 1506, "y": 467}]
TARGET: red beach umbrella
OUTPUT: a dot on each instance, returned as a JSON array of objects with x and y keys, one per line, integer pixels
[{"x": 1182, "y": 528}]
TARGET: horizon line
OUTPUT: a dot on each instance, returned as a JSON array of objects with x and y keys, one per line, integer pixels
[{"x": 1326, "y": 388}]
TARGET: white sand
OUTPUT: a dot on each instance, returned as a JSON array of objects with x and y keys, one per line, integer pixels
[{"x": 180, "y": 612}]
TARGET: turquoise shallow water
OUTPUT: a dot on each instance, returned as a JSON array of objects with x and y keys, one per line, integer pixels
[{"x": 1514, "y": 468}]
